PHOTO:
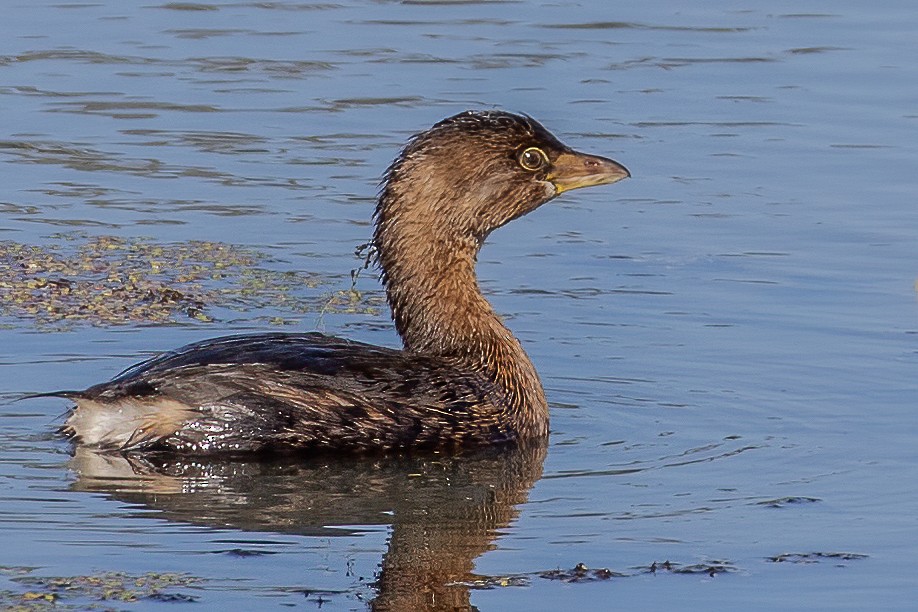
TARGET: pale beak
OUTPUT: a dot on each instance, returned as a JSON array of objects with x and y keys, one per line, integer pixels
[{"x": 573, "y": 170}]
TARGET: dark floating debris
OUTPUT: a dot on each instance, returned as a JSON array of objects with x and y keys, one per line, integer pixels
[
  {"x": 816, "y": 557},
  {"x": 580, "y": 573},
  {"x": 172, "y": 597},
  {"x": 245, "y": 552},
  {"x": 108, "y": 280},
  {"x": 320, "y": 597},
  {"x": 711, "y": 568},
  {"x": 781, "y": 502}
]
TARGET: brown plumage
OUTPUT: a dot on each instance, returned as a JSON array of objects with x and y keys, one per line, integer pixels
[{"x": 462, "y": 379}]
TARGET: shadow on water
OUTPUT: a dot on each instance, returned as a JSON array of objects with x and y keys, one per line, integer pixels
[{"x": 444, "y": 511}]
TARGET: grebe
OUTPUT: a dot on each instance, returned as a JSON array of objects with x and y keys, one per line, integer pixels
[{"x": 462, "y": 378}]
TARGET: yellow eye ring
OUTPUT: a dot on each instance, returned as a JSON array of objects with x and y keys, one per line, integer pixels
[{"x": 533, "y": 159}]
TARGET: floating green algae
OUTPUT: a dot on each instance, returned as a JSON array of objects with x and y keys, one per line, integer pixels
[
  {"x": 107, "y": 280},
  {"x": 104, "y": 591}
]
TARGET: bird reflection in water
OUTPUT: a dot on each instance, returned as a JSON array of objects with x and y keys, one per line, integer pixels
[{"x": 444, "y": 511}]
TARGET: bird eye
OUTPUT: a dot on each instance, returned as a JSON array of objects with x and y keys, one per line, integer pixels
[{"x": 533, "y": 159}]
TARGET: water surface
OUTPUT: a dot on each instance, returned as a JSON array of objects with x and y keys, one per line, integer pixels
[{"x": 728, "y": 340}]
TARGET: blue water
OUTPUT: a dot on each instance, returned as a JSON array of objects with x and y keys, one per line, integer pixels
[{"x": 734, "y": 326}]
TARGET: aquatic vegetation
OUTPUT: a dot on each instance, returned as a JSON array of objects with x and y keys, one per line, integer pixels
[
  {"x": 108, "y": 280},
  {"x": 97, "y": 591}
]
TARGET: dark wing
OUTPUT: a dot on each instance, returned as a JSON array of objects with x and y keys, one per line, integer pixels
[{"x": 292, "y": 391}]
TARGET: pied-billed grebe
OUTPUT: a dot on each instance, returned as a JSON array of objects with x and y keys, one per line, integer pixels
[{"x": 462, "y": 379}]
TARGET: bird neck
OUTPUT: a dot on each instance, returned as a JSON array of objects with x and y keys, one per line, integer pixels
[{"x": 439, "y": 310}]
